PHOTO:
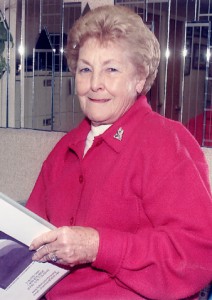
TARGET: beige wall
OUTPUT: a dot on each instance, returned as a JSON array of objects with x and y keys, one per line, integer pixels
[{"x": 208, "y": 155}]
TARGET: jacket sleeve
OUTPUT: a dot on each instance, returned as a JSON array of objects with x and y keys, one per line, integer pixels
[{"x": 173, "y": 259}]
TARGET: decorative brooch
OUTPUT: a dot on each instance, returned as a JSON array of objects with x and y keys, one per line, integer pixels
[{"x": 119, "y": 134}]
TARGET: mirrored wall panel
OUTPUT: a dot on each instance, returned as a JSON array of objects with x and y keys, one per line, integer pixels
[{"x": 37, "y": 90}]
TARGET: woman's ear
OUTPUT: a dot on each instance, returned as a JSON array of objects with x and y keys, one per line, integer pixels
[{"x": 140, "y": 85}]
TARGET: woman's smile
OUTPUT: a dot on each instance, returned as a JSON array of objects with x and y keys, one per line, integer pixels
[{"x": 99, "y": 100}]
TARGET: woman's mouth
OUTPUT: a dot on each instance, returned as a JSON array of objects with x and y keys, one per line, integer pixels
[{"x": 99, "y": 100}]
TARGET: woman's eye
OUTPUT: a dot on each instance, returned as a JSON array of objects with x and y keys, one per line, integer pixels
[
  {"x": 112, "y": 70},
  {"x": 84, "y": 70}
]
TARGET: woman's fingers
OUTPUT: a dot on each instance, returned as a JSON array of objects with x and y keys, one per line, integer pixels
[
  {"x": 67, "y": 245},
  {"x": 44, "y": 239},
  {"x": 44, "y": 244}
]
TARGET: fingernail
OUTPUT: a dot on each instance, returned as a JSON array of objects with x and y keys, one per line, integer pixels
[{"x": 31, "y": 247}]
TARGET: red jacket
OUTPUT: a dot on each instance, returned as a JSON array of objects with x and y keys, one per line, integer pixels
[{"x": 147, "y": 194}]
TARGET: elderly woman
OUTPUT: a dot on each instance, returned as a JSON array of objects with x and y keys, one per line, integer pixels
[{"x": 128, "y": 189}]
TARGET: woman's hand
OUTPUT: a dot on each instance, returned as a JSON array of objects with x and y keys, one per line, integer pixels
[{"x": 67, "y": 245}]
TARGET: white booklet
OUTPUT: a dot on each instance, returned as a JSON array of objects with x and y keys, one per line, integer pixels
[{"x": 20, "y": 277}]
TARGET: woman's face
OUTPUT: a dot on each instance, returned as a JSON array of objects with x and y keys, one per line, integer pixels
[{"x": 106, "y": 81}]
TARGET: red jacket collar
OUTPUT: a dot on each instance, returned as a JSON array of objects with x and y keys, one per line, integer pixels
[{"x": 119, "y": 133}]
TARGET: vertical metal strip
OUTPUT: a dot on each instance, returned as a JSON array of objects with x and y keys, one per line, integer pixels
[
  {"x": 52, "y": 89},
  {"x": 206, "y": 91},
  {"x": 33, "y": 88},
  {"x": 167, "y": 60},
  {"x": 22, "y": 77},
  {"x": 40, "y": 16},
  {"x": 7, "y": 72},
  {"x": 182, "y": 73},
  {"x": 61, "y": 54},
  {"x": 174, "y": 53},
  {"x": 196, "y": 10}
]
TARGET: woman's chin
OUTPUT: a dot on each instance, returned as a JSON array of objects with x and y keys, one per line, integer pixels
[
  {"x": 99, "y": 120},
  {"x": 97, "y": 123}
]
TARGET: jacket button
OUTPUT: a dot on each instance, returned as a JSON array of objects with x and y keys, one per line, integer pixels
[
  {"x": 72, "y": 221},
  {"x": 81, "y": 179},
  {"x": 99, "y": 142}
]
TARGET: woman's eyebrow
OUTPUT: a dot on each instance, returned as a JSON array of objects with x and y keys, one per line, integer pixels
[
  {"x": 83, "y": 61},
  {"x": 111, "y": 61}
]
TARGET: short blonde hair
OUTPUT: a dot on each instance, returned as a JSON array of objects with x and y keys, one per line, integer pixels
[{"x": 118, "y": 24}]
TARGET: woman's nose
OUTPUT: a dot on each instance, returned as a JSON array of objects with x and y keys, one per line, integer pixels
[{"x": 97, "y": 81}]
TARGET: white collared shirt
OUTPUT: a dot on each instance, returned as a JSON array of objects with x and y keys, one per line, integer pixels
[{"x": 95, "y": 131}]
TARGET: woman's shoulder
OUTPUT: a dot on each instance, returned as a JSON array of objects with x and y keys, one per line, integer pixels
[
  {"x": 166, "y": 128},
  {"x": 170, "y": 136}
]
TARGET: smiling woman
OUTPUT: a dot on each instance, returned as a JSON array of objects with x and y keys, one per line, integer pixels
[{"x": 126, "y": 187}]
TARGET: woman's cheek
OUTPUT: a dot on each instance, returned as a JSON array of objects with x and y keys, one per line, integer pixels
[{"x": 82, "y": 85}]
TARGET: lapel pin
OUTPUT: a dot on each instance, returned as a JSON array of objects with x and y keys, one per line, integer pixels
[{"x": 119, "y": 134}]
